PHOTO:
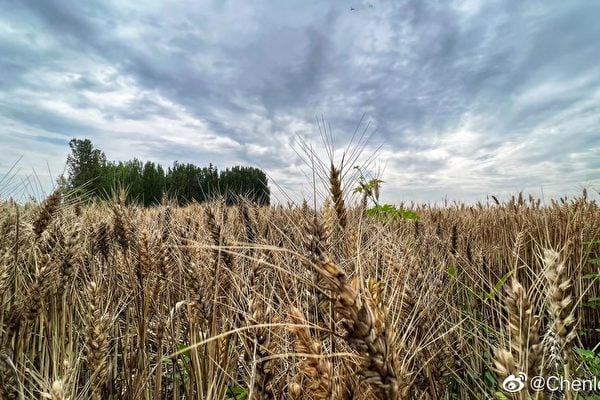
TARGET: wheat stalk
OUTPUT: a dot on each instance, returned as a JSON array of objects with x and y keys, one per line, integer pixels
[{"x": 97, "y": 345}]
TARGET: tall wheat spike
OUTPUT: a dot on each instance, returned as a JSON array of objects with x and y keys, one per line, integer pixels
[
  {"x": 97, "y": 345},
  {"x": 524, "y": 329},
  {"x": 47, "y": 210},
  {"x": 562, "y": 308},
  {"x": 337, "y": 195},
  {"x": 525, "y": 354},
  {"x": 561, "y": 301},
  {"x": 367, "y": 332}
]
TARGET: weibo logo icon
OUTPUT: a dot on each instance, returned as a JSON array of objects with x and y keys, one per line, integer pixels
[{"x": 514, "y": 383}]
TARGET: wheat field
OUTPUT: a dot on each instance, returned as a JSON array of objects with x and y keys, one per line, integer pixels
[{"x": 105, "y": 300}]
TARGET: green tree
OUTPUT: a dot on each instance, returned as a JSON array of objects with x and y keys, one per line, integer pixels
[
  {"x": 247, "y": 182},
  {"x": 126, "y": 175},
  {"x": 85, "y": 165},
  {"x": 153, "y": 183},
  {"x": 182, "y": 182},
  {"x": 145, "y": 183}
]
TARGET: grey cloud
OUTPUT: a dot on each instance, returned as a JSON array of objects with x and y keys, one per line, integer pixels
[
  {"x": 89, "y": 83},
  {"x": 76, "y": 24},
  {"x": 139, "y": 109},
  {"x": 44, "y": 139},
  {"x": 46, "y": 120},
  {"x": 421, "y": 70}
]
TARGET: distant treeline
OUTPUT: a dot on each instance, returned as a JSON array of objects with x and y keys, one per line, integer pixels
[{"x": 147, "y": 183}]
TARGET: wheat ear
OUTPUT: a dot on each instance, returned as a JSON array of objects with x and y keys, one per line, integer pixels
[
  {"x": 317, "y": 368},
  {"x": 97, "y": 345},
  {"x": 47, "y": 210},
  {"x": 337, "y": 195},
  {"x": 525, "y": 353},
  {"x": 562, "y": 307},
  {"x": 366, "y": 327}
]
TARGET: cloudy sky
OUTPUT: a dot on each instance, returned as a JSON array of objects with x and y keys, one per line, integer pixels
[{"x": 467, "y": 98}]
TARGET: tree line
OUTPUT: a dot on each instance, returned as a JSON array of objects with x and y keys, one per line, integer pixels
[{"x": 147, "y": 183}]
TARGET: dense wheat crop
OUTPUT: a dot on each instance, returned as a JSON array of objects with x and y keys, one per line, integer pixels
[{"x": 108, "y": 301}]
